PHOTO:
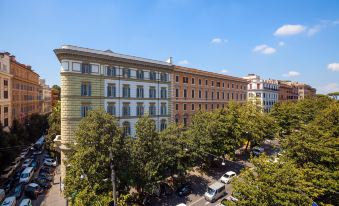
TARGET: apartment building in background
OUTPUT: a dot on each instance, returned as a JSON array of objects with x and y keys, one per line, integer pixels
[
  {"x": 195, "y": 90},
  {"x": 46, "y": 97},
  {"x": 287, "y": 91},
  {"x": 127, "y": 87},
  {"x": 55, "y": 95},
  {"x": 263, "y": 92},
  {"x": 5, "y": 91},
  {"x": 304, "y": 90},
  {"x": 26, "y": 90}
]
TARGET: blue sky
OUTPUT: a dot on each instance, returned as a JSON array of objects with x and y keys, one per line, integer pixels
[{"x": 287, "y": 39}]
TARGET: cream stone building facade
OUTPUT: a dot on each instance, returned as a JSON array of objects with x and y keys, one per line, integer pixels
[
  {"x": 46, "y": 97},
  {"x": 125, "y": 86},
  {"x": 5, "y": 91}
]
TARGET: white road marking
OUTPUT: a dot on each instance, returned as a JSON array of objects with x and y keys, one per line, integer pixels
[{"x": 198, "y": 200}]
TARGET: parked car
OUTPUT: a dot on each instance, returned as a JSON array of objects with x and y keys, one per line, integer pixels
[
  {"x": 256, "y": 151},
  {"x": 45, "y": 169},
  {"x": 6, "y": 173},
  {"x": 9, "y": 201},
  {"x": 19, "y": 189},
  {"x": 44, "y": 183},
  {"x": 26, "y": 202},
  {"x": 27, "y": 162},
  {"x": 33, "y": 190},
  {"x": 37, "y": 152},
  {"x": 184, "y": 190},
  {"x": 8, "y": 185},
  {"x": 2, "y": 194},
  {"x": 27, "y": 175},
  {"x": 45, "y": 176},
  {"x": 35, "y": 164},
  {"x": 227, "y": 177},
  {"x": 50, "y": 162},
  {"x": 17, "y": 174},
  {"x": 215, "y": 191}
]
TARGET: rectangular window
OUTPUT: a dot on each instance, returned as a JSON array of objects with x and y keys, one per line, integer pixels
[
  {"x": 206, "y": 107},
  {"x": 212, "y": 83},
  {"x": 193, "y": 93},
  {"x": 176, "y": 107},
  {"x": 199, "y": 106},
  {"x": 140, "y": 92},
  {"x": 152, "y": 110},
  {"x": 5, "y": 94},
  {"x": 5, "y": 110},
  {"x": 223, "y": 84},
  {"x": 140, "y": 74},
  {"x": 152, "y": 92},
  {"x": 206, "y": 95},
  {"x": 176, "y": 78},
  {"x": 192, "y": 107},
  {"x": 84, "y": 110},
  {"x": 199, "y": 94},
  {"x": 232, "y": 86},
  {"x": 163, "y": 92},
  {"x": 217, "y": 95},
  {"x": 86, "y": 89},
  {"x": 206, "y": 82},
  {"x": 199, "y": 81},
  {"x": 212, "y": 95},
  {"x": 111, "y": 91},
  {"x": 176, "y": 93},
  {"x": 111, "y": 109},
  {"x": 185, "y": 80},
  {"x": 228, "y": 85},
  {"x": 218, "y": 84},
  {"x": 86, "y": 68},
  {"x": 126, "y": 73},
  {"x": 126, "y": 111},
  {"x": 232, "y": 96},
  {"x": 193, "y": 82},
  {"x": 163, "y": 109},
  {"x": 184, "y": 107},
  {"x": 152, "y": 75},
  {"x": 111, "y": 71},
  {"x": 5, "y": 82},
  {"x": 223, "y": 95},
  {"x": 140, "y": 109},
  {"x": 163, "y": 77},
  {"x": 185, "y": 93},
  {"x": 126, "y": 92}
]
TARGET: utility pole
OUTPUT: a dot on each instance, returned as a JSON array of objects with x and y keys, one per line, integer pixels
[{"x": 113, "y": 179}]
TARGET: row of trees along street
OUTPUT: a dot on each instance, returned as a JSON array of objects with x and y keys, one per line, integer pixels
[
  {"x": 19, "y": 136},
  {"x": 308, "y": 170}
]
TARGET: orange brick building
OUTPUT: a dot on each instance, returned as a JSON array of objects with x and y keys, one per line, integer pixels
[
  {"x": 194, "y": 90},
  {"x": 26, "y": 90},
  {"x": 287, "y": 92}
]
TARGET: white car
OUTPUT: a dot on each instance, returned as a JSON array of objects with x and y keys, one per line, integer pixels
[
  {"x": 50, "y": 162},
  {"x": 9, "y": 201},
  {"x": 26, "y": 163},
  {"x": 227, "y": 177},
  {"x": 6, "y": 173},
  {"x": 26, "y": 202}
]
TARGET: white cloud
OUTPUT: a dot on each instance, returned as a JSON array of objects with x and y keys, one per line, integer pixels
[
  {"x": 183, "y": 62},
  {"x": 333, "y": 67},
  {"x": 264, "y": 49},
  {"x": 218, "y": 41},
  {"x": 224, "y": 71},
  {"x": 291, "y": 74},
  {"x": 328, "y": 88},
  {"x": 313, "y": 30},
  {"x": 281, "y": 43},
  {"x": 289, "y": 30}
]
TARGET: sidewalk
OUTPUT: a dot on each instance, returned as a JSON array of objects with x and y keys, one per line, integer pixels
[{"x": 54, "y": 197}]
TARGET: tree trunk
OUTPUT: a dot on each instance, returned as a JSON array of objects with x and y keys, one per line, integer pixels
[{"x": 248, "y": 142}]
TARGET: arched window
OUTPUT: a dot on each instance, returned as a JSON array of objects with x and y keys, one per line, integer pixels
[
  {"x": 126, "y": 128},
  {"x": 163, "y": 124}
]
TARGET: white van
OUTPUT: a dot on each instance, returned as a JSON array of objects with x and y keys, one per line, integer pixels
[
  {"x": 215, "y": 191},
  {"x": 26, "y": 175}
]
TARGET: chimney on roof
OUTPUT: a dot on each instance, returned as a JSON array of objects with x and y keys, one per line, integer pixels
[
  {"x": 12, "y": 58},
  {"x": 29, "y": 67},
  {"x": 169, "y": 60}
]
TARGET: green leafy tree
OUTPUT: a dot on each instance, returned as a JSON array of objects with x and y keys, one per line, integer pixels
[
  {"x": 54, "y": 121},
  {"x": 146, "y": 156},
  {"x": 88, "y": 172},
  {"x": 174, "y": 144},
  {"x": 272, "y": 183}
]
